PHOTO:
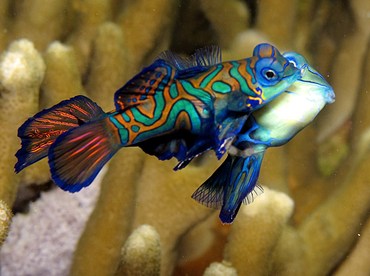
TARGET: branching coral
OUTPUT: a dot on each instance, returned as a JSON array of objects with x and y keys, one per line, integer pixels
[
  {"x": 21, "y": 73},
  {"x": 151, "y": 32},
  {"x": 237, "y": 15},
  {"x": 111, "y": 220},
  {"x": 277, "y": 22},
  {"x": 264, "y": 222},
  {"x": 106, "y": 75},
  {"x": 169, "y": 212},
  {"x": 351, "y": 51},
  {"x": 62, "y": 79},
  {"x": 47, "y": 235},
  {"x": 93, "y": 47},
  {"x": 50, "y": 26},
  {"x": 220, "y": 269},
  {"x": 141, "y": 254}
]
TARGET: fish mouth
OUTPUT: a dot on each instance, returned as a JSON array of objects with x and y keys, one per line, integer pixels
[
  {"x": 311, "y": 77},
  {"x": 330, "y": 96}
]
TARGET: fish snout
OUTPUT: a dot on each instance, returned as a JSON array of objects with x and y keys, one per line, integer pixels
[{"x": 330, "y": 95}]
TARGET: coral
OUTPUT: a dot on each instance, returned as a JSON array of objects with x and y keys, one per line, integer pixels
[
  {"x": 153, "y": 36},
  {"x": 4, "y": 5},
  {"x": 238, "y": 17},
  {"x": 89, "y": 14},
  {"x": 106, "y": 75},
  {"x": 48, "y": 234},
  {"x": 352, "y": 51},
  {"x": 164, "y": 212},
  {"x": 51, "y": 25},
  {"x": 92, "y": 48},
  {"x": 62, "y": 79},
  {"x": 141, "y": 253},
  {"x": 5, "y": 219},
  {"x": 264, "y": 222},
  {"x": 277, "y": 22},
  {"x": 357, "y": 263},
  {"x": 21, "y": 72},
  {"x": 220, "y": 269},
  {"x": 110, "y": 223}
]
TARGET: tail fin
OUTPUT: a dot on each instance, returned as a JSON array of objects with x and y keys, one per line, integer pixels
[
  {"x": 241, "y": 186},
  {"x": 40, "y": 131},
  {"x": 232, "y": 184},
  {"x": 78, "y": 155}
]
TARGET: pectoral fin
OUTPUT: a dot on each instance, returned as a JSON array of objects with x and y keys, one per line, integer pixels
[{"x": 227, "y": 132}]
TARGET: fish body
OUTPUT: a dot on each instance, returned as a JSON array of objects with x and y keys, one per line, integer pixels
[
  {"x": 206, "y": 100},
  {"x": 235, "y": 181},
  {"x": 176, "y": 107}
]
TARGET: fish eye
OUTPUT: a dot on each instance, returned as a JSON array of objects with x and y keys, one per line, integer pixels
[
  {"x": 270, "y": 74},
  {"x": 293, "y": 63}
]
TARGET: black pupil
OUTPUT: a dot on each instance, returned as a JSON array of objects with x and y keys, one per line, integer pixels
[{"x": 270, "y": 74}]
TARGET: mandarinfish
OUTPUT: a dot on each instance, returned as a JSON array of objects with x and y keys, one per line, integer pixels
[{"x": 176, "y": 107}]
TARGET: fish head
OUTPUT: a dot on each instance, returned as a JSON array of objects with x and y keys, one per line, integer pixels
[
  {"x": 273, "y": 73},
  {"x": 280, "y": 120}
]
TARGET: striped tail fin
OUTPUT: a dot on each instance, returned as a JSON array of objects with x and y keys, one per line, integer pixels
[
  {"x": 78, "y": 155},
  {"x": 39, "y": 132}
]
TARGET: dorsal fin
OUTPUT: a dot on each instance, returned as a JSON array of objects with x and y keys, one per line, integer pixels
[
  {"x": 190, "y": 66},
  {"x": 206, "y": 56},
  {"x": 158, "y": 75},
  {"x": 178, "y": 61},
  {"x": 149, "y": 81}
]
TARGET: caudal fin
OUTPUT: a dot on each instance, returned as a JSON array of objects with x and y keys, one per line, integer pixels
[
  {"x": 78, "y": 155},
  {"x": 39, "y": 132}
]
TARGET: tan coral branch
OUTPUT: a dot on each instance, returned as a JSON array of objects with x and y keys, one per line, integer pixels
[
  {"x": 110, "y": 223},
  {"x": 21, "y": 72},
  {"x": 141, "y": 255},
  {"x": 5, "y": 219}
]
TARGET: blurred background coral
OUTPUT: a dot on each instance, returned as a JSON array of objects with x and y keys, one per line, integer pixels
[{"x": 138, "y": 217}]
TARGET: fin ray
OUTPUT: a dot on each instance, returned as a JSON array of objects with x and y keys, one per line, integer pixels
[
  {"x": 211, "y": 192},
  {"x": 40, "y": 131},
  {"x": 147, "y": 83},
  {"x": 78, "y": 155},
  {"x": 241, "y": 184},
  {"x": 203, "y": 57}
]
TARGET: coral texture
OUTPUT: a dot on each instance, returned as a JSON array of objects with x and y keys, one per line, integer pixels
[
  {"x": 21, "y": 73},
  {"x": 47, "y": 234},
  {"x": 5, "y": 219},
  {"x": 141, "y": 253},
  {"x": 313, "y": 218}
]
